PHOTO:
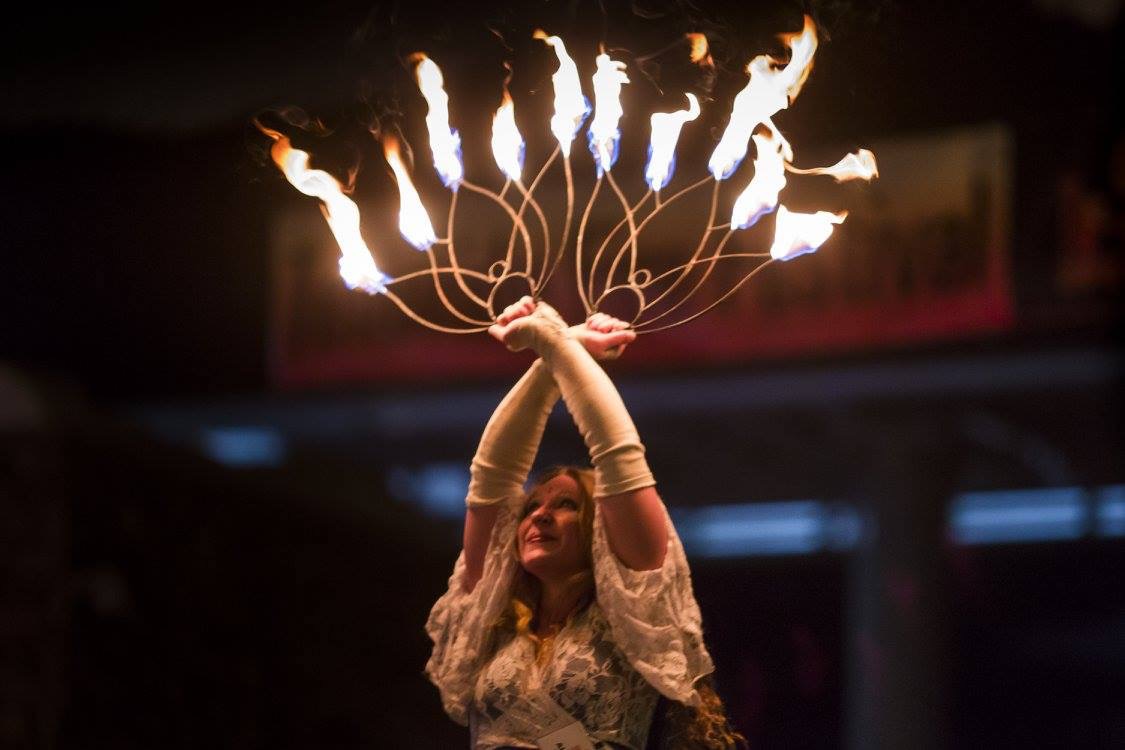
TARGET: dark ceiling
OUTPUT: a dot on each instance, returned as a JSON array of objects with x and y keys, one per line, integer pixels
[{"x": 137, "y": 207}]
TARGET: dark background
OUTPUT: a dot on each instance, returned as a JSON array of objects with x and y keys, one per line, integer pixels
[{"x": 154, "y": 597}]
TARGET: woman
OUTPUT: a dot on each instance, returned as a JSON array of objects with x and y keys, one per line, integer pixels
[{"x": 570, "y": 611}]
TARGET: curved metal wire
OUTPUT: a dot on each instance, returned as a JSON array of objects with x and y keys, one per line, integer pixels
[
  {"x": 578, "y": 247},
  {"x": 709, "y": 307},
  {"x": 593, "y": 272},
  {"x": 594, "y": 284},
  {"x": 469, "y": 295}
]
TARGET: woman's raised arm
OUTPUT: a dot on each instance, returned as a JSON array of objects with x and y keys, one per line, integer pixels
[
  {"x": 505, "y": 454},
  {"x": 631, "y": 508},
  {"x": 511, "y": 438}
]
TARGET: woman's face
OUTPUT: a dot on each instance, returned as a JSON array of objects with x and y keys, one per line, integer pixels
[{"x": 550, "y": 535}]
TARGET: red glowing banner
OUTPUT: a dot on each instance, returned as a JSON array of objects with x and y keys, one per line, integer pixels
[{"x": 923, "y": 256}]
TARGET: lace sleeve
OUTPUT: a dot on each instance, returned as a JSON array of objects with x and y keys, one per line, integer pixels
[
  {"x": 654, "y": 617},
  {"x": 460, "y": 622}
]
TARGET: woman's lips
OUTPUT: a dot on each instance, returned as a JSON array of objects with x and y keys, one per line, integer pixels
[{"x": 532, "y": 538}]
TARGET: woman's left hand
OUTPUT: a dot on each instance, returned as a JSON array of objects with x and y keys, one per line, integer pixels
[
  {"x": 527, "y": 324},
  {"x": 603, "y": 336}
]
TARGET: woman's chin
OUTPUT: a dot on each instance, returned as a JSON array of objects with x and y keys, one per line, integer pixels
[
  {"x": 545, "y": 565},
  {"x": 538, "y": 563}
]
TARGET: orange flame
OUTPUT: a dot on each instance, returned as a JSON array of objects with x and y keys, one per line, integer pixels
[
  {"x": 357, "y": 266},
  {"x": 700, "y": 50},
  {"x": 413, "y": 221},
  {"x": 507, "y": 143},
  {"x": 803, "y": 46},
  {"x": 769, "y": 90}
]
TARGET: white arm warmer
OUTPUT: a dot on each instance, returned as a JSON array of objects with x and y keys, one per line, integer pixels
[
  {"x": 511, "y": 439},
  {"x": 611, "y": 437}
]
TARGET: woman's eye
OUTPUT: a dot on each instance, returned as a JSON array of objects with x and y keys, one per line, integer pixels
[
  {"x": 568, "y": 503},
  {"x": 530, "y": 508}
]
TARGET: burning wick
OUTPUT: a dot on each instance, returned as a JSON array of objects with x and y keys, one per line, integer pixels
[
  {"x": 604, "y": 135},
  {"x": 760, "y": 196},
  {"x": 796, "y": 234},
  {"x": 413, "y": 221},
  {"x": 444, "y": 142},
  {"x": 571, "y": 107},
  {"x": 357, "y": 266},
  {"x": 770, "y": 90},
  {"x": 666, "y": 128},
  {"x": 507, "y": 143}
]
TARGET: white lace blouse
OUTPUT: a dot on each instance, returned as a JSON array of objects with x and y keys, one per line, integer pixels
[
  {"x": 651, "y": 617},
  {"x": 587, "y": 676}
]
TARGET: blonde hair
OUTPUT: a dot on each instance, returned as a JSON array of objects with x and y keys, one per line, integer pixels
[{"x": 519, "y": 616}]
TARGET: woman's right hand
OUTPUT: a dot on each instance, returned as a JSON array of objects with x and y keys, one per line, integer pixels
[{"x": 604, "y": 336}]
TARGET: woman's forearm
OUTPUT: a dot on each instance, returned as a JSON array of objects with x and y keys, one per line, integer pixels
[
  {"x": 479, "y": 521},
  {"x": 632, "y": 509},
  {"x": 504, "y": 459}
]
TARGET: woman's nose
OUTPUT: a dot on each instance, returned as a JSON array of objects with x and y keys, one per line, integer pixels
[{"x": 541, "y": 515}]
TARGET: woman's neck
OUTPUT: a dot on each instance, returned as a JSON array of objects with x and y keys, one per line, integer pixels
[{"x": 557, "y": 600}]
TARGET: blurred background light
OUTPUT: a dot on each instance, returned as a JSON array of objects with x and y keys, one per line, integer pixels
[
  {"x": 244, "y": 447},
  {"x": 1028, "y": 515},
  {"x": 738, "y": 530},
  {"x": 1111, "y": 510},
  {"x": 437, "y": 489},
  {"x": 800, "y": 527}
]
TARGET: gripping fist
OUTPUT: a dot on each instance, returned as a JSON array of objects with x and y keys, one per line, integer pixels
[
  {"x": 604, "y": 336},
  {"x": 528, "y": 324}
]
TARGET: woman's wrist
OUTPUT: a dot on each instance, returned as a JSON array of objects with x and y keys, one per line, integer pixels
[{"x": 542, "y": 331}]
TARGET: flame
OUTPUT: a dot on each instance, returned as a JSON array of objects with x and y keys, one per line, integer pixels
[
  {"x": 666, "y": 128},
  {"x": 700, "y": 52},
  {"x": 357, "y": 266},
  {"x": 802, "y": 45},
  {"x": 760, "y": 196},
  {"x": 507, "y": 143},
  {"x": 571, "y": 106},
  {"x": 858, "y": 166},
  {"x": 796, "y": 234},
  {"x": 604, "y": 135},
  {"x": 413, "y": 222},
  {"x": 759, "y": 100},
  {"x": 769, "y": 90},
  {"x": 444, "y": 142}
]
